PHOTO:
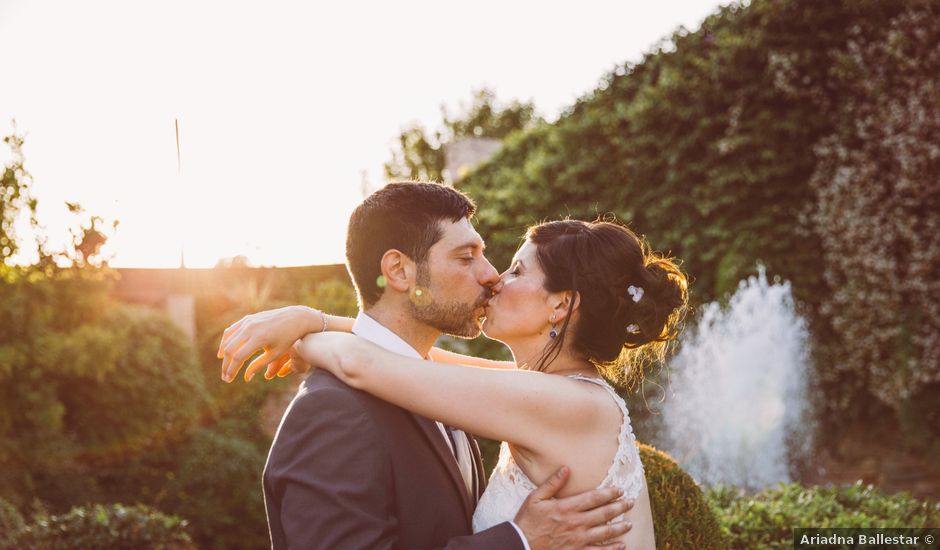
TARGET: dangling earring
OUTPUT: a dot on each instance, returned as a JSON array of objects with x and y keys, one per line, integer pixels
[{"x": 552, "y": 333}]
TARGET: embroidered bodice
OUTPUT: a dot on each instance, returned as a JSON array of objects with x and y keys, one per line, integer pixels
[{"x": 509, "y": 486}]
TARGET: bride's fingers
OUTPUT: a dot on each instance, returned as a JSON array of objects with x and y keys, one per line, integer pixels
[
  {"x": 256, "y": 366},
  {"x": 262, "y": 361},
  {"x": 275, "y": 366},
  {"x": 286, "y": 369},
  {"x": 226, "y": 334},
  {"x": 233, "y": 355}
]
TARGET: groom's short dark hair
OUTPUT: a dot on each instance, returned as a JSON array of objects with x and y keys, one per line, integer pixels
[{"x": 405, "y": 216}]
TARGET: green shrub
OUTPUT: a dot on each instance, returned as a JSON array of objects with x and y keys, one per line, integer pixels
[
  {"x": 681, "y": 515},
  {"x": 151, "y": 392},
  {"x": 115, "y": 527},
  {"x": 766, "y": 520},
  {"x": 217, "y": 487},
  {"x": 120, "y": 421},
  {"x": 11, "y": 523}
]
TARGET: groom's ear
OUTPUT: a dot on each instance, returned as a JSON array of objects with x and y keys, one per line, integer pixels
[{"x": 398, "y": 269}]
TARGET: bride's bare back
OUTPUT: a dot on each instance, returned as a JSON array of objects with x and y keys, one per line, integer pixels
[{"x": 604, "y": 456}]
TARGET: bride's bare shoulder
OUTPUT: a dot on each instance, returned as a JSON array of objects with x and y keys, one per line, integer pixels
[{"x": 597, "y": 402}]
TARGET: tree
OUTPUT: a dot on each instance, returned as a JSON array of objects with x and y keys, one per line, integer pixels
[
  {"x": 717, "y": 144},
  {"x": 420, "y": 155},
  {"x": 877, "y": 207},
  {"x": 15, "y": 195}
]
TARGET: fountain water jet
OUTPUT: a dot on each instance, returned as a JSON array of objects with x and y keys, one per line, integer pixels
[{"x": 739, "y": 413}]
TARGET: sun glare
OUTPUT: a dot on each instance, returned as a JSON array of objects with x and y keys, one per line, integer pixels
[{"x": 284, "y": 109}]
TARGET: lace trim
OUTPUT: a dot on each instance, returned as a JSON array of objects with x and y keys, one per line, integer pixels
[
  {"x": 618, "y": 473},
  {"x": 509, "y": 485}
]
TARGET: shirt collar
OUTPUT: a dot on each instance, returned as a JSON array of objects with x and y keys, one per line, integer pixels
[{"x": 379, "y": 334}]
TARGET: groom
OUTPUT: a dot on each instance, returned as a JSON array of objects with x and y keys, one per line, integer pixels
[{"x": 347, "y": 470}]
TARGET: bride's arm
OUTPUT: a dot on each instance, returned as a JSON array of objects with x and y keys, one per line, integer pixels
[
  {"x": 530, "y": 409},
  {"x": 273, "y": 331},
  {"x": 276, "y": 330},
  {"x": 454, "y": 358}
]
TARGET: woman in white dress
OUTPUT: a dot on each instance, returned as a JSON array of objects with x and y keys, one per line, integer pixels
[{"x": 580, "y": 302}]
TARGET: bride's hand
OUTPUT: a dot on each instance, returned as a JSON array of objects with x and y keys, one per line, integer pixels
[{"x": 272, "y": 331}]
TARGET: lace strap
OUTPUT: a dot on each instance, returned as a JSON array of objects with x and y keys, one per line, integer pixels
[
  {"x": 599, "y": 381},
  {"x": 626, "y": 428},
  {"x": 621, "y": 473},
  {"x": 613, "y": 393}
]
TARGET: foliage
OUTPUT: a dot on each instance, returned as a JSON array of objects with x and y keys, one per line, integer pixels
[
  {"x": 716, "y": 147},
  {"x": 87, "y": 385},
  {"x": 767, "y": 519},
  {"x": 877, "y": 203},
  {"x": 15, "y": 195},
  {"x": 335, "y": 296},
  {"x": 16, "y": 198},
  {"x": 218, "y": 485},
  {"x": 102, "y": 402},
  {"x": 148, "y": 393},
  {"x": 681, "y": 516},
  {"x": 116, "y": 527},
  {"x": 420, "y": 156},
  {"x": 96, "y": 398},
  {"x": 11, "y": 523}
]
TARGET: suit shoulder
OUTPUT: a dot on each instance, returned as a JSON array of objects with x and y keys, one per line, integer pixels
[{"x": 321, "y": 386}]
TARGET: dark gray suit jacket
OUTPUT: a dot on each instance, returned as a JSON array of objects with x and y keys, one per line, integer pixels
[{"x": 349, "y": 471}]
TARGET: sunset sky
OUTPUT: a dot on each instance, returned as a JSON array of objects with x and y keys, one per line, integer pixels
[{"x": 282, "y": 106}]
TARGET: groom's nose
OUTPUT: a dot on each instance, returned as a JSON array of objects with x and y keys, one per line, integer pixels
[{"x": 488, "y": 276}]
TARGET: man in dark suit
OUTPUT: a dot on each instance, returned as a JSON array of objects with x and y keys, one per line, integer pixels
[{"x": 347, "y": 470}]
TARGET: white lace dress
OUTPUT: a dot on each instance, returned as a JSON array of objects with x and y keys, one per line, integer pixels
[{"x": 509, "y": 486}]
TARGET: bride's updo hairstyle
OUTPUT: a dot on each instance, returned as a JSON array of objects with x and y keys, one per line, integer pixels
[{"x": 601, "y": 261}]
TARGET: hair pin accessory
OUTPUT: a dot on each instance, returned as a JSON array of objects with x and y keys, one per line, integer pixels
[{"x": 636, "y": 292}]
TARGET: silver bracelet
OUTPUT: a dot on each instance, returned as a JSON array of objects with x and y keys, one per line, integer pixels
[{"x": 323, "y": 319}]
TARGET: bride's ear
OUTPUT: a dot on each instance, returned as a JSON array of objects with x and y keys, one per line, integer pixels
[
  {"x": 566, "y": 304},
  {"x": 398, "y": 269}
]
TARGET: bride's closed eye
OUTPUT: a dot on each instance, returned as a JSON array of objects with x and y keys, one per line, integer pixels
[{"x": 513, "y": 270}]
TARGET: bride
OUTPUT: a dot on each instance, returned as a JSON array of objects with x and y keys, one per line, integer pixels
[{"x": 580, "y": 303}]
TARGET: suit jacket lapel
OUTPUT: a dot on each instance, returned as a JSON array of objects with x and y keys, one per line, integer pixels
[{"x": 444, "y": 454}]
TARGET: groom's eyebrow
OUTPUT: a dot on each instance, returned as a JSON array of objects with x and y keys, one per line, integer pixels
[{"x": 472, "y": 245}]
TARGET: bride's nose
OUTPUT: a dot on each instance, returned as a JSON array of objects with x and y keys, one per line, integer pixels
[{"x": 497, "y": 287}]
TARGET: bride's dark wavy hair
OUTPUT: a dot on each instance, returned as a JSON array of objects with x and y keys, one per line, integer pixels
[{"x": 599, "y": 261}]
